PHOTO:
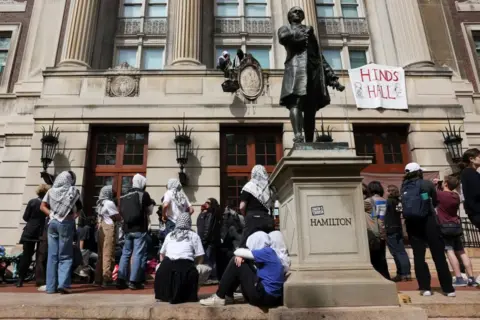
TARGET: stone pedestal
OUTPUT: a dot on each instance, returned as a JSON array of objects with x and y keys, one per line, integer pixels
[{"x": 323, "y": 221}]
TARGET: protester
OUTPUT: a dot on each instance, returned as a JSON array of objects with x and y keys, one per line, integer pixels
[
  {"x": 256, "y": 204},
  {"x": 230, "y": 238},
  {"x": 107, "y": 213},
  {"x": 278, "y": 244},
  {"x": 394, "y": 230},
  {"x": 375, "y": 208},
  {"x": 32, "y": 232},
  {"x": 451, "y": 228},
  {"x": 261, "y": 283},
  {"x": 61, "y": 204},
  {"x": 419, "y": 198},
  {"x": 176, "y": 280},
  {"x": 136, "y": 206},
  {"x": 175, "y": 202},
  {"x": 471, "y": 185},
  {"x": 209, "y": 222},
  {"x": 238, "y": 58}
]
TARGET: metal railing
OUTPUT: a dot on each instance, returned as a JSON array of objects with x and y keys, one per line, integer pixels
[
  {"x": 236, "y": 25},
  {"x": 339, "y": 26},
  {"x": 142, "y": 25},
  {"x": 471, "y": 235}
]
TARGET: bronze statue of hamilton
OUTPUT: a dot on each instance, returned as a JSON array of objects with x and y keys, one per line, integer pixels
[{"x": 306, "y": 77}]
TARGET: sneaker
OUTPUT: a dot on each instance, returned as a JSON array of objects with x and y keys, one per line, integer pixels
[
  {"x": 472, "y": 282},
  {"x": 121, "y": 284},
  {"x": 451, "y": 294},
  {"x": 229, "y": 300},
  {"x": 460, "y": 282},
  {"x": 399, "y": 278},
  {"x": 426, "y": 293},
  {"x": 213, "y": 301},
  {"x": 136, "y": 286},
  {"x": 42, "y": 288}
]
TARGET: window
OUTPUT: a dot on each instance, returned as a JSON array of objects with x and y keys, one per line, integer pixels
[
  {"x": 227, "y": 8},
  {"x": 117, "y": 155},
  {"x": 358, "y": 58},
  {"x": 334, "y": 58},
  {"x": 5, "y": 39},
  {"x": 325, "y": 8},
  {"x": 157, "y": 8},
  {"x": 349, "y": 8},
  {"x": 255, "y": 8},
  {"x": 262, "y": 55},
  {"x": 241, "y": 149},
  {"x": 152, "y": 58},
  {"x": 132, "y": 8},
  {"x": 128, "y": 55},
  {"x": 387, "y": 145}
]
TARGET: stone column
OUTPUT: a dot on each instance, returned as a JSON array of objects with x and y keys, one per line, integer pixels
[
  {"x": 188, "y": 26},
  {"x": 310, "y": 10},
  {"x": 80, "y": 38},
  {"x": 408, "y": 32}
]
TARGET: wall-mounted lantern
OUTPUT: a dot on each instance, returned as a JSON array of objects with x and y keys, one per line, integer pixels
[
  {"x": 453, "y": 142},
  {"x": 183, "y": 144},
  {"x": 49, "y": 149}
]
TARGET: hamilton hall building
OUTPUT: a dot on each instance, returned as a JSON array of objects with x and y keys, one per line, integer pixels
[{"x": 115, "y": 77}]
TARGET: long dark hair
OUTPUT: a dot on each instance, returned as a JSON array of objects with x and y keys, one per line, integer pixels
[
  {"x": 470, "y": 153},
  {"x": 365, "y": 191},
  {"x": 215, "y": 206},
  {"x": 413, "y": 175},
  {"x": 375, "y": 188}
]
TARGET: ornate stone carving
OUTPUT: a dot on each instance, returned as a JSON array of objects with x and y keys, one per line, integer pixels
[
  {"x": 123, "y": 81},
  {"x": 250, "y": 78}
]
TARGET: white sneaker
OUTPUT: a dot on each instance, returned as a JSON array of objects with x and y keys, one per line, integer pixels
[
  {"x": 213, "y": 301},
  {"x": 451, "y": 294},
  {"x": 426, "y": 293},
  {"x": 42, "y": 288}
]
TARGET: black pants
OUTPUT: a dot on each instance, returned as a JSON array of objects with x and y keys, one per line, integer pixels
[
  {"x": 26, "y": 258},
  {"x": 378, "y": 259},
  {"x": 423, "y": 232},
  {"x": 475, "y": 220},
  {"x": 256, "y": 221},
  {"x": 41, "y": 262},
  {"x": 224, "y": 255},
  {"x": 252, "y": 289}
]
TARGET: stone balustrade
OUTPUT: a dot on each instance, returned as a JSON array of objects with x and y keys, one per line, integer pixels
[
  {"x": 236, "y": 25},
  {"x": 339, "y": 26},
  {"x": 145, "y": 25}
]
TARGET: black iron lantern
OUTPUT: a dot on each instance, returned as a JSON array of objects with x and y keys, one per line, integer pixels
[
  {"x": 453, "y": 142},
  {"x": 183, "y": 144},
  {"x": 49, "y": 149}
]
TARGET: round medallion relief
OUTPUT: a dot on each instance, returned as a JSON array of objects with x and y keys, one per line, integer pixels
[
  {"x": 123, "y": 86},
  {"x": 251, "y": 82}
]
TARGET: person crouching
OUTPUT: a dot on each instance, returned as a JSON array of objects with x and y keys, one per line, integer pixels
[
  {"x": 176, "y": 280},
  {"x": 261, "y": 283}
]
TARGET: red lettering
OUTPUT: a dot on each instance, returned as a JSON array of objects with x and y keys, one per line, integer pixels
[
  {"x": 395, "y": 76},
  {"x": 377, "y": 77},
  {"x": 380, "y": 92},
  {"x": 371, "y": 91},
  {"x": 367, "y": 74},
  {"x": 390, "y": 96}
]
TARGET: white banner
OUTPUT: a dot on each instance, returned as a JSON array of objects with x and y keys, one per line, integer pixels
[{"x": 375, "y": 86}]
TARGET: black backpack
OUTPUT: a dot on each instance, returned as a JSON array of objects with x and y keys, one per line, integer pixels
[
  {"x": 131, "y": 207},
  {"x": 415, "y": 203}
]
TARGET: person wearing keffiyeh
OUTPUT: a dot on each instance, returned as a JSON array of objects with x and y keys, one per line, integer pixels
[
  {"x": 175, "y": 202},
  {"x": 256, "y": 204},
  {"x": 107, "y": 213},
  {"x": 61, "y": 204}
]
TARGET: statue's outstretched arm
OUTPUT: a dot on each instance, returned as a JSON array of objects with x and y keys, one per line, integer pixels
[{"x": 289, "y": 36}]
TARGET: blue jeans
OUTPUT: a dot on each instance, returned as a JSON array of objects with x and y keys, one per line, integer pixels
[
  {"x": 397, "y": 249},
  {"x": 136, "y": 244},
  {"x": 60, "y": 254}
]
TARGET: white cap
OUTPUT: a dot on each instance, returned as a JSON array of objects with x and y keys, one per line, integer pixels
[{"x": 412, "y": 167}]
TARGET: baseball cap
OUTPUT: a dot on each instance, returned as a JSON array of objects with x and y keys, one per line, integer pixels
[{"x": 412, "y": 167}]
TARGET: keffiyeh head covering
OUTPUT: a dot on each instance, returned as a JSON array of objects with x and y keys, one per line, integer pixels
[
  {"x": 62, "y": 196},
  {"x": 278, "y": 245},
  {"x": 139, "y": 181},
  {"x": 106, "y": 193},
  {"x": 258, "y": 186},
  {"x": 258, "y": 240},
  {"x": 182, "y": 227},
  {"x": 179, "y": 197}
]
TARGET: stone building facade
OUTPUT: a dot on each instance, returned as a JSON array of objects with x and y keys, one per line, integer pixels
[{"x": 117, "y": 120}]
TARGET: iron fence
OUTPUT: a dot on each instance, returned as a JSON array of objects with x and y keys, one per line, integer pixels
[{"x": 471, "y": 235}]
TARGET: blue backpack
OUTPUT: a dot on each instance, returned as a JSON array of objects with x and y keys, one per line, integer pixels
[{"x": 415, "y": 204}]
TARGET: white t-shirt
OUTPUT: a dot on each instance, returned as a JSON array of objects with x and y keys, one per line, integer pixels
[
  {"x": 173, "y": 211},
  {"x": 109, "y": 209},
  {"x": 186, "y": 249}
]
